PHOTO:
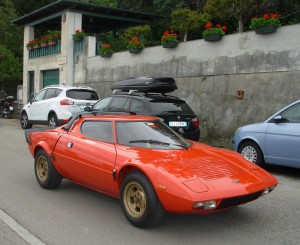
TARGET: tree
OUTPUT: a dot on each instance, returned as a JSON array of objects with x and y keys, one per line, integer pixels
[
  {"x": 185, "y": 20},
  {"x": 239, "y": 9},
  {"x": 108, "y": 3},
  {"x": 11, "y": 35},
  {"x": 10, "y": 70}
]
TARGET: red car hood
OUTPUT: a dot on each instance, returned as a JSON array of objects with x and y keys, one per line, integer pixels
[{"x": 203, "y": 167}]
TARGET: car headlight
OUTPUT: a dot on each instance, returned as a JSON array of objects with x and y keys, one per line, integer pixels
[
  {"x": 205, "y": 205},
  {"x": 268, "y": 190}
]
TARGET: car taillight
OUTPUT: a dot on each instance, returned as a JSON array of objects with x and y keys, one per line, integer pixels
[
  {"x": 195, "y": 122},
  {"x": 66, "y": 102}
]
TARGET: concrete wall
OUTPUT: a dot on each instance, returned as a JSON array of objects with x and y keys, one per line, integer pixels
[{"x": 208, "y": 74}]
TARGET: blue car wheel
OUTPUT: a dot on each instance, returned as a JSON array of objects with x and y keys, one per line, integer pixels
[{"x": 251, "y": 151}]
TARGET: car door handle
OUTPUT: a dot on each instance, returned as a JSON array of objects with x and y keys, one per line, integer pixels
[{"x": 69, "y": 144}]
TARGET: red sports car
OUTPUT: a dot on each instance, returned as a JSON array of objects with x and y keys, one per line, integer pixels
[{"x": 146, "y": 164}]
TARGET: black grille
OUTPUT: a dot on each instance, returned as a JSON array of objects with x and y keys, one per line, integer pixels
[{"x": 231, "y": 202}]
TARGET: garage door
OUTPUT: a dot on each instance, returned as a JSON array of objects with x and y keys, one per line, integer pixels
[{"x": 50, "y": 77}]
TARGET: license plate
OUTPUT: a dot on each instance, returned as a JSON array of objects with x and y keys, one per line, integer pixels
[{"x": 178, "y": 124}]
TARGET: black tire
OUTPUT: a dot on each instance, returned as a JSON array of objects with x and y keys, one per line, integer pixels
[
  {"x": 24, "y": 121},
  {"x": 139, "y": 201},
  {"x": 8, "y": 115},
  {"x": 52, "y": 121},
  {"x": 45, "y": 172},
  {"x": 252, "y": 152}
]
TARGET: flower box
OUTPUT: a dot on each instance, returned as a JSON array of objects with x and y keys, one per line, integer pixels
[
  {"x": 266, "y": 29},
  {"x": 170, "y": 44},
  {"x": 135, "y": 50},
  {"x": 52, "y": 43},
  {"x": 77, "y": 39},
  {"x": 213, "y": 37},
  {"x": 106, "y": 55}
]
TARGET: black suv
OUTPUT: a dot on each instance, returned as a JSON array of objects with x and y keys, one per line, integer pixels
[{"x": 174, "y": 111}]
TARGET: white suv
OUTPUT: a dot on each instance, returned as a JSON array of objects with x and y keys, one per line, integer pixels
[{"x": 55, "y": 104}]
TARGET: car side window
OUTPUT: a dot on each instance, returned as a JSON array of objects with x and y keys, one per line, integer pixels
[
  {"x": 57, "y": 92},
  {"x": 40, "y": 95},
  {"x": 118, "y": 104},
  {"x": 98, "y": 130},
  {"x": 137, "y": 106},
  {"x": 292, "y": 114},
  {"x": 102, "y": 104},
  {"x": 50, "y": 93}
]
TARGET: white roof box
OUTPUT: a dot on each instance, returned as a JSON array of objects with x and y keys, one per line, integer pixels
[{"x": 147, "y": 84}]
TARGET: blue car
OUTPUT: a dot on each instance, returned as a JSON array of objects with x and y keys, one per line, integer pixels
[{"x": 275, "y": 141}]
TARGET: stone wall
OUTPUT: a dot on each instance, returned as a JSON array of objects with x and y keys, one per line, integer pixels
[{"x": 208, "y": 74}]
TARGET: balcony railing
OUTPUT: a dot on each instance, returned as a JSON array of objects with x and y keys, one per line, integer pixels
[
  {"x": 78, "y": 46},
  {"x": 45, "y": 51}
]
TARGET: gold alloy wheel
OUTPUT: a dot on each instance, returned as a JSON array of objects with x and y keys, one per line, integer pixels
[
  {"x": 135, "y": 199},
  {"x": 42, "y": 168}
]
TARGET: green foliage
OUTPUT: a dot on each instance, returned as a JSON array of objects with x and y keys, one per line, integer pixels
[
  {"x": 79, "y": 34},
  {"x": 169, "y": 36},
  {"x": 135, "y": 43},
  {"x": 10, "y": 70},
  {"x": 108, "y": 3},
  {"x": 142, "y": 32},
  {"x": 11, "y": 36},
  {"x": 184, "y": 20},
  {"x": 267, "y": 19},
  {"x": 224, "y": 9},
  {"x": 53, "y": 35},
  {"x": 105, "y": 49},
  {"x": 213, "y": 30}
]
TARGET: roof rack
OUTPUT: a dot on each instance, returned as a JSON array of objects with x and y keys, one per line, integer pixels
[{"x": 146, "y": 84}]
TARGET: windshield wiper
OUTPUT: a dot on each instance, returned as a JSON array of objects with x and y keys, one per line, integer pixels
[
  {"x": 150, "y": 141},
  {"x": 156, "y": 142}
]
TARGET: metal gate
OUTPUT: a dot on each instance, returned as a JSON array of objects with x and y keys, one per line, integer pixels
[{"x": 50, "y": 77}]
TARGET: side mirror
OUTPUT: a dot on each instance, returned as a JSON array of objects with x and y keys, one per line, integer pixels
[
  {"x": 87, "y": 108},
  {"x": 280, "y": 119}
]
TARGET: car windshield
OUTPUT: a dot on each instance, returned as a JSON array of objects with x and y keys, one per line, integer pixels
[
  {"x": 149, "y": 134},
  {"x": 170, "y": 106},
  {"x": 82, "y": 94}
]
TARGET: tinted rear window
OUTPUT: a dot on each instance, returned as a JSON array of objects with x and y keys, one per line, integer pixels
[
  {"x": 82, "y": 94},
  {"x": 170, "y": 106}
]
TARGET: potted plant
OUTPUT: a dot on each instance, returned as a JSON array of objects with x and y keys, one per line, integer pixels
[
  {"x": 213, "y": 33},
  {"x": 79, "y": 35},
  {"x": 53, "y": 37},
  {"x": 36, "y": 43},
  {"x": 44, "y": 41},
  {"x": 169, "y": 39},
  {"x": 135, "y": 45},
  {"x": 105, "y": 50},
  {"x": 266, "y": 24},
  {"x": 30, "y": 44}
]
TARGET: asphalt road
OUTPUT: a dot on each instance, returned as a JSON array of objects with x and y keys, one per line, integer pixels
[{"x": 76, "y": 215}]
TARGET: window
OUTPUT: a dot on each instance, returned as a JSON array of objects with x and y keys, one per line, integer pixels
[
  {"x": 40, "y": 95},
  {"x": 98, "y": 130},
  {"x": 82, "y": 94},
  {"x": 292, "y": 114},
  {"x": 57, "y": 92},
  {"x": 102, "y": 104},
  {"x": 50, "y": 93},
  {"x": 118, "y": 104},
  {"x": 170, "y": 106},
  {"x": 137, "y": 106}
]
